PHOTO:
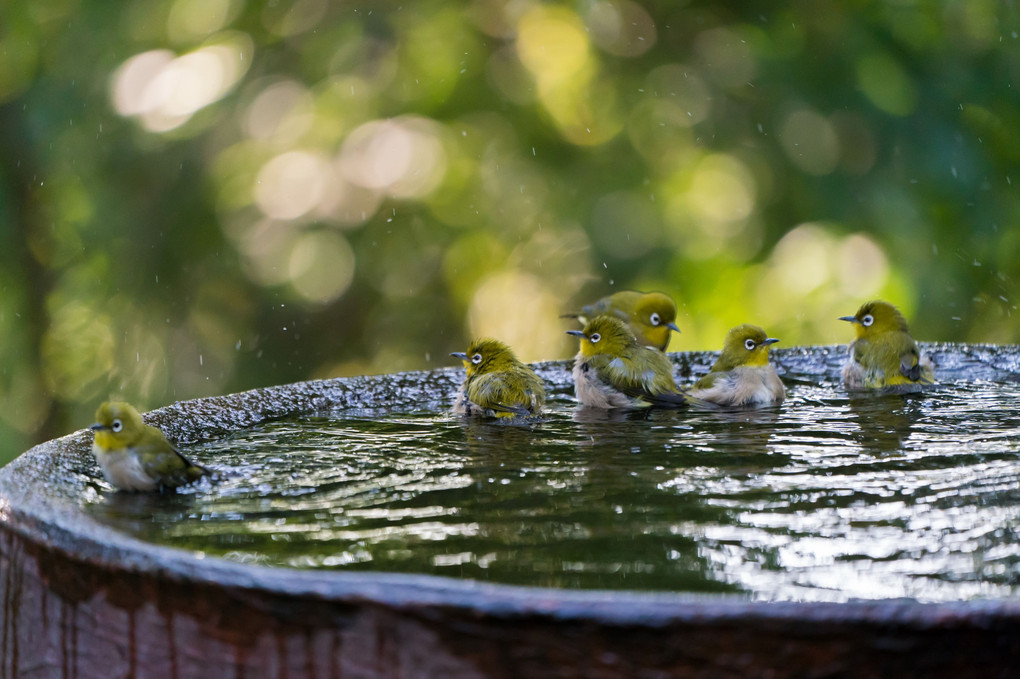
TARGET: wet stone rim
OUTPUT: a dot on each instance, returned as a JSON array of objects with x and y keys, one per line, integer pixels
[{"x": 40, "y": 502}]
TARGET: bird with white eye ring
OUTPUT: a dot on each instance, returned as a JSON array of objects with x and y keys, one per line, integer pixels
[
  {"x": 612, "y": 370},
  {"x": 742, "y": 375},
  {"x": 134, "y": 456},
  {"x": 650, "y": 316},
  {"x": 883, "y": 355},
  {"x": 497, "y": 384}
]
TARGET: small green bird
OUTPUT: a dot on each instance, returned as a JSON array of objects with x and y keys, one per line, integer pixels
[
  {"x": 742, "y": 376},
  {"x": 649, "y": 315},
  {"x": 883, "y": 354},
  {"x": 613, "y": 371},
  {"x": 497, "y": 384},
  {"x": 135, "y": 456}
]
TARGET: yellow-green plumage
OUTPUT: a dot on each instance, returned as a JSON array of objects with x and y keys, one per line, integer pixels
[
  {"x": 497, "y": 384},
  {"x": 650, "y": 316},
  {"x": 884, "y": 355},
  {"x": 742, "y": 376},
  {"x": 135, "y": 456},
  {"x": 613, "y": 371}
]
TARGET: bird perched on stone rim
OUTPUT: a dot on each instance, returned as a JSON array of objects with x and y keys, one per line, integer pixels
[
  {"x": 497, "y": 384},
  {"x": 135, "y": 456},
  {"x": 650, "y": 316},
  {"x": 612, "y": 370},
  {"x": 883, "y": 355},
  {"x": 742, "y": 376}
]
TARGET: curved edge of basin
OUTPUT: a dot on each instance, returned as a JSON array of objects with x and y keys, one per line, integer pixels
[{"x": 82, "y": 600}]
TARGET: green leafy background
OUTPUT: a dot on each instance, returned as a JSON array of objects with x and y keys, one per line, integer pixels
[{"x": 205, "y": 196}]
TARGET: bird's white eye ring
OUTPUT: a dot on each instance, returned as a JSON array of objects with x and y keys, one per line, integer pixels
[
  {"x": 867, "y": 320},
  {"x": 749, "y": 344},
  {"x": 654, "y": 319},
  {"x": 476, "y": 359},
  {"x": 595, "y": 337},
  {"x": 116, "y": 426}
]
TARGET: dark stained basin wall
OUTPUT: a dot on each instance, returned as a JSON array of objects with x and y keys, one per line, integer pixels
[{"x": 66, "y": 618}]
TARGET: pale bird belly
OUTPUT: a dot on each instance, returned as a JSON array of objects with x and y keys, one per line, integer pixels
[
  {"x": 123, "y": 470},
  {"x": 592, "y": 392},
  {"x": 853, "y": 374},
  {"x": 927, "y": 368},
  {"x": 462, "y": 406},
  {"x": 743, "y": 387},
  {"x": 858, "y": 376}
]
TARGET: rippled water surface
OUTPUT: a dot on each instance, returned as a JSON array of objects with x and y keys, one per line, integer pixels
[{"x": 823, "y": 498}]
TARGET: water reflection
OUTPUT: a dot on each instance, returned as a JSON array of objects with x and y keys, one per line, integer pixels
[
  {"x": 821, "y": 498},
  {"x": 885, "y": 420}
]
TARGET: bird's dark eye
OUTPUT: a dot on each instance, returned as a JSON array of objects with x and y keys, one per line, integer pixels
[
  {"x": 868, "y": 319},
  {"x": 595, "y": 337},
  {"x": 476, "y": 359},
  {"x": 117, "y": 426},
  {"x": 749, "y": 344},
  {"x": 654, "y": 319}
]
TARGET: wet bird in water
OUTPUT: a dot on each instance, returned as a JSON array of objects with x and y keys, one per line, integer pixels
[
  {"x": 884, "y": 355},
  {"x": 497, "y": 384},
  {"x": 135, "y": 456},
  {"x": 650, "y": 316},
  {"x": 742, "y": 376},
  {"x": 613, "y": 371}
]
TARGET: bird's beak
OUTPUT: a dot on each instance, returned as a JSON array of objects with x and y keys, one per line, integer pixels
[
  {"x": 459, "y": 354},
  {"x": 849, "y": 319},
  {"x": 673, "y": 327},
  {"x": 770, "y": 340},
  {"x": 577, "y": 333},
  {"x": 98, "y": 426}
]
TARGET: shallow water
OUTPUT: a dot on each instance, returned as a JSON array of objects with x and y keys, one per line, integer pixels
[{"x": 823, "y": 498}]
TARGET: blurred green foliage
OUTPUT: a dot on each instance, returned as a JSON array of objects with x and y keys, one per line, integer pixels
[{"x": 204, "y": 196}]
